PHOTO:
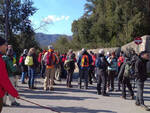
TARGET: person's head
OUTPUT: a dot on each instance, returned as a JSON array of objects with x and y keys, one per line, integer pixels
[
  {"x": 121, "y": 53},
  {"x": 31, "y": 51},
  {"x": 108, "y": 53},
  {"x": 83, "y": 50},
  {"x": 113, "y": 54},
  {"x": 3, "y": 45},
  {"x": 25, "y": 51},
  {"x": 9, "y": 52},
  {"x": 91, "y": 52},
  {"x": 101, "y": 51},
  {"x": 144, "y": 55},
  {"x": 50, "y": 48},
  {"x": 70, "y": 51}
]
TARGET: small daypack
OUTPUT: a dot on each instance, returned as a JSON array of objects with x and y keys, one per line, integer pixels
[
  {"x": 128, "y": 72},
  {"x": 85, "y": 61},
  {"x": 21, "y": 60},
  {"x": 51, "y": 59},
  {"x": 29, "y": 61}
]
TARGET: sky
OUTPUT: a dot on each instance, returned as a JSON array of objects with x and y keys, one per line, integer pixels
[{"x": 56, "y": 15}]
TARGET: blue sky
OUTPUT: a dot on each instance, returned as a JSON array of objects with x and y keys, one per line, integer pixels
[{"x": 58, "y": 15}]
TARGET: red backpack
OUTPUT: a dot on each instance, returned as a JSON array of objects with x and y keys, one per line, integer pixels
[
  {"x": 21, "y": 60},
  {"x": 51, "y": 59}
]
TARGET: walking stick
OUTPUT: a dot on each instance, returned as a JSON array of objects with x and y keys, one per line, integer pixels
[{"x": 45, "y": 107}]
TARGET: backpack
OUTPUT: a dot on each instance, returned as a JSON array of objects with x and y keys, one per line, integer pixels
[
  {"x": 51, "y": 59},
  {"x": 85, "y": 61},
  {"x": 128, "y": 72},
  {"x": 29, "y": 61},
  {"x": 21, "y": 60}
]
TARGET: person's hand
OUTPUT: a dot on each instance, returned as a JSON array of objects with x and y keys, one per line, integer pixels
[
  {"x": 15, "y": 65},
  {"x": 18, "y": 97}
]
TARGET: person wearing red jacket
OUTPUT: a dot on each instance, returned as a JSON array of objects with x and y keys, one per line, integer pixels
[{"x": 5, "y": 84}]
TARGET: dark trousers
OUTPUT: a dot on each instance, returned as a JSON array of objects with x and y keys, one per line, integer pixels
[
  {"x": 83, "y": 75},
  {"x": 119, "y": 82},
  {"x": 126, "y": 83},
  {"x": 102, "y": 79},
  {"x": 43, "y": 68},
  {"x": 139, "y": 96},
  {"x": 111, "y": 76},
  {"x": 1, "y": 104},
  {"x": 92, "y": 74},
  {"x": 69, "y": 77}
]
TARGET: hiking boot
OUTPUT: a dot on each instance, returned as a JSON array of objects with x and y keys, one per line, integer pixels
[
  {"x": 79, "y": 87},
  {"x": 105, "y": 94},
  {"x": 51, "y": 89},
  {"x": 5, "y": 105},
  {"x": 123, "y": 97},
  {"x": 15, "y": 104},
  {"x": 45, "y": 89},
  {"x": 137, "y": 104},
  {"x": 99, "y": 92},
  {"x": 144, "y": 107},
  {"x": 70, "y": 86},
  {"x": 131, "y": 97}
]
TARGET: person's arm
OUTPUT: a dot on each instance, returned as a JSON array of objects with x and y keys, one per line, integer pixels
[
  {"x": 137, "y": 68},
  {"x": 5, "y": 82}
]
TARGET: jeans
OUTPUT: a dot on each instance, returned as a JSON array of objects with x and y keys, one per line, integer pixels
[
  {"x": 139, "y": 96},
  {"x": 31, "y": 77},
  {"x": 23, "y": 76},
  {"x": 83, "y": 75},
  {"x": 102, "y": 79}
]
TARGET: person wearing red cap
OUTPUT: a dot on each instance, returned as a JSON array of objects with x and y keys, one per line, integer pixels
[{"x": 5, "y": 84}]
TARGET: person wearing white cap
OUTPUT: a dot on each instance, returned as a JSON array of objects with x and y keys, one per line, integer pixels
[{"x": 101, "y": 64}]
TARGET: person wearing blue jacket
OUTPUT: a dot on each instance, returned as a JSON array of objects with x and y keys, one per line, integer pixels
[{"x": 84, "y": 61}]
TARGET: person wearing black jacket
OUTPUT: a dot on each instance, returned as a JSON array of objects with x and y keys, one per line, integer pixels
[
  {"x": 141, "y": 77},
  {"x": 125, "y": 79},
  {"x": 101, "y": 65},
  {"x": 24, "y": 68}
]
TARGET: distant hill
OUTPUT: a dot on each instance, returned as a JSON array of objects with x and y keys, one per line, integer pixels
[{"x": 45, "y": 39}]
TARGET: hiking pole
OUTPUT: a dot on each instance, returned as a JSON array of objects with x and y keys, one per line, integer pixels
[{"x": 45, "y": 107}]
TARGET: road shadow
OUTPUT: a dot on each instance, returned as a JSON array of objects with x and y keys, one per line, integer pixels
[{"x": 80, "y": 110}]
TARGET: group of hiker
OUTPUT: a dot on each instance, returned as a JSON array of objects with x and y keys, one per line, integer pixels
[{"x": 99, "y": 68}]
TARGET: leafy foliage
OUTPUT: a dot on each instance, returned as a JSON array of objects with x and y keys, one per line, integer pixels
[
  {"x": 109, "y": 23},
  {"x": 21, "y": 33}
]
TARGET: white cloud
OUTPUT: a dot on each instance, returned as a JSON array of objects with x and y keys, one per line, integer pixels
[{"x": 54, "y": 18}]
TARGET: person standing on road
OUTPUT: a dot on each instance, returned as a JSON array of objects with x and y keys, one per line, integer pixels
[
  {"x": 141, "y": 77},
  {"x": 24, "y": 68},
  {"x": 84, "y": 61},
  {"x": 50, "y": 61},
  {"x": 101, "y": 65},
  {"x": 11, "y": 69},
  {"x": 70, "y": 67},
  {"x": 5, "y": 84},
  {"x": 112, "y": 70},
  {"x": 32, "y": 65},
  {"x": 125, "y": 76}
]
